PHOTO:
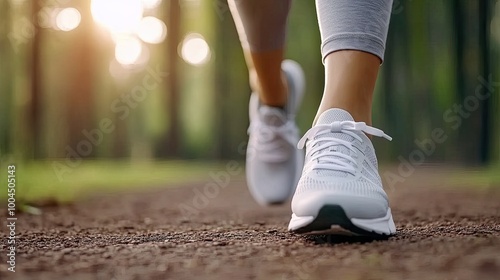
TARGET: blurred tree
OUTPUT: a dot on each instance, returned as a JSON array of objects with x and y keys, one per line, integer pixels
[
  {"x": 6, "y": 84},
  {"x": 35, "y": 116},
  {"x": 484, "y": 18},
  {"x": 232, "y": 90},
  {"x": 472, "y": 24},
  {"x": 170, "y": 146},
  {"x": 79, "y": 84},
  {"x": 435, "y": 53}
]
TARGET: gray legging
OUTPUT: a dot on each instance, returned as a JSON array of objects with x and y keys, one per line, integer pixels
[{"x": 344, "y": 24}]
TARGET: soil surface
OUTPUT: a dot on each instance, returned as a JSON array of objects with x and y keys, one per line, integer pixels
[{"x": 443, "y": 233}]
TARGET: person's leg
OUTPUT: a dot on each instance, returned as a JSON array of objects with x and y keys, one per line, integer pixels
[
  {"x": 349, "y": 83},
  {"x": 273, "y": 162},
  {"x": 261, "y": 25},
  {"x": 340, "y": 187},
  {"x": 353, "y": 34}
]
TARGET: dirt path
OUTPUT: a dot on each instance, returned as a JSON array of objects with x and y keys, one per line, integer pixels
[{"x": 442, "y": 234}]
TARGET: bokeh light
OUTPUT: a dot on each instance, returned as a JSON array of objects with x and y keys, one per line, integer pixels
[
  {"x": 128, "y": 51},
  {"x": 152, "y": 30},
  {"x": 68, "y": 19},
  {"x": 195, "y": 49},
  {"x": 119, "y": 16},
  {"x": 150, "y": 4},
  {"x": 47, "y": 17},
  {"x": 117, "y": 70}
]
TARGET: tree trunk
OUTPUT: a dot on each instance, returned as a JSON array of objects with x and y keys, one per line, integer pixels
[
  {"x": 484, "y": 148},
  {"x": 79, "y": 90},
  {"x": 35, "y": 123},
  {"x": 170, "y": 147}
]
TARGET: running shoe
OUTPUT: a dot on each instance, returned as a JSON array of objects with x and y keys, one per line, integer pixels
[
  {"x": 273, "y": 162},
  {"x": 340, "y": 190}
]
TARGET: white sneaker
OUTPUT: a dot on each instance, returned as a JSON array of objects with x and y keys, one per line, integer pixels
[
  {"x": 340, "y": 191},
  {"x": 273, "y": 162}
]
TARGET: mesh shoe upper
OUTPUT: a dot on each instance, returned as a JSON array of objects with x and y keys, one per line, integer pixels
[{"x": 340, "y": 168}]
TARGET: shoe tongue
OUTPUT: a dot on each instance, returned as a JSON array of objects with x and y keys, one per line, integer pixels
[
  {"x": 334, "y": 115},
  {"x": 272, "y": 116},
  {"x": 328, "y": 117}
]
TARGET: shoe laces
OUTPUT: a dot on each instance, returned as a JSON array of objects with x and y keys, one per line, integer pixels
[
  {"x": 274, "y": 143},
  {"x": 325, "y": 150}
]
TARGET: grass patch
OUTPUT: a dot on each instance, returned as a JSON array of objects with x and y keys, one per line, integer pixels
[
  {"x": 37, "y": 181},
  {"x": 477, "y": 178}
]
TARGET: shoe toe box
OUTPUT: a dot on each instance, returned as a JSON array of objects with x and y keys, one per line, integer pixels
[
  {"x": 358, "y": 200},
  {"x": 271, "y": 183}
]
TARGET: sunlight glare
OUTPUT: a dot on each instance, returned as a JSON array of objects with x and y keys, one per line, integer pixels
[
  {"x": 68, "y": 19},
  {"x": 152, "y": 30},
  {"x": 128, "y": 51},
  {"x": 195, "y": 49},
  {"x": 150, "y": 4},
  {"x": 119, "y": 16}
]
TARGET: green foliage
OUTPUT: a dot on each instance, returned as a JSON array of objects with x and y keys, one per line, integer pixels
[{"x": 434, "y": 56}]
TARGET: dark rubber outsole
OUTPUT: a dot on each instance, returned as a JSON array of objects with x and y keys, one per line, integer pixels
[{"x": 331, "y": 216}]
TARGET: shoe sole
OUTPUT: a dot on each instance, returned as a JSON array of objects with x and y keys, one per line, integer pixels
[{"x": 331, "y": 219}]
